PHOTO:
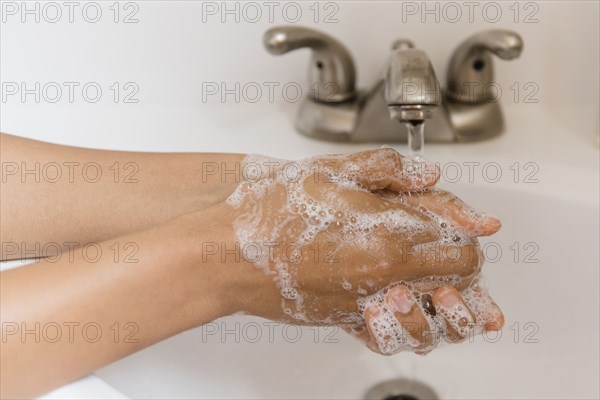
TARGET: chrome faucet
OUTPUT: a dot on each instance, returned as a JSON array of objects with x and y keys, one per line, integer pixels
[
  {"x": 409, "y": 91},
  {"x": 412, "y": 92}
]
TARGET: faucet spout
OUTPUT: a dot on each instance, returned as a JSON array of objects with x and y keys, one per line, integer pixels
[{"x": 412, "y": 91}]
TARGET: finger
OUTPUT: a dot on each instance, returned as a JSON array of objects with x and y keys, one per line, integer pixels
[
  {"x": 388, "y": 336},
  {"x": 386, "y": 168},
  {"x": 487, "y": 313},
  {"x": 439, "y": 260},
  {"x": 417, "y": 174},
  {"x": 372, "y": 312},
  {"x": 452, "y": 209},
  {"x": 458, "y": 316},
  {"x": 405, "y": 309}
]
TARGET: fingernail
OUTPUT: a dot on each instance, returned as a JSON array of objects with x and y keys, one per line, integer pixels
[
  {"x": 496, "y": 324},
  {"x": 372, "y": 311},
  {"x": 485, "y": 310},
  {"x": 484, "y": 224},
  {"x": 401, "y": 300},
  {"x": 492, "y": 223},
  {"x": 447, "y": 298},
  {"x": 454, "y": 311}
]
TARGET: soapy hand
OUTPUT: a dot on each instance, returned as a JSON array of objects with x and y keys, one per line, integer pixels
[
  {"x": 357, "y": 241},
  {"x": 413, "y": 316}
]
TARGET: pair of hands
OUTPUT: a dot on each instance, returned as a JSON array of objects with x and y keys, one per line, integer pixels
[{"x": 362, "y": 241}]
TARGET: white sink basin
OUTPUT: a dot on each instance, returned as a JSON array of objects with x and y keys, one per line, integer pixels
[{"x": 547, "y": 349}]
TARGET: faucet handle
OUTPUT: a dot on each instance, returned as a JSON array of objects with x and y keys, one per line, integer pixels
[
  {"x": 471, "y": 68},
  {"x": 331, "y": 68}
]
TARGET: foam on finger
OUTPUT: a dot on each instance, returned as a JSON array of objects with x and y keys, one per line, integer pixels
[{"x": 272, "y": 206}]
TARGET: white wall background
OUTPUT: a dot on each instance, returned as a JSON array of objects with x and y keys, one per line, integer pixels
[{"x": 177, "y": 45}]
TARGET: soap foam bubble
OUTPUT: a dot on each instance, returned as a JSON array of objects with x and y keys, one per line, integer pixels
[{"x": 301, "y": 218}]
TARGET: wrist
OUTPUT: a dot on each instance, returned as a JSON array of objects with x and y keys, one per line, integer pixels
[
  {"x": 218, "y": 280},
  {"x": 220, "y": 174}
]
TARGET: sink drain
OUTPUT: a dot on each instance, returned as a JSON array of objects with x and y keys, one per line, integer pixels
[
  {"x": 401, "y": 397},
  {"x": 401, "y": 389}
]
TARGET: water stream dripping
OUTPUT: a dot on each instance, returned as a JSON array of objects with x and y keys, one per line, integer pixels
[{"x": 416, "y": 137}]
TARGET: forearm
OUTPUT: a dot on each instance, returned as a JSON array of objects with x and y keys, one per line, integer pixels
[
  {"x": 54, "y": 312},
  {"x": 59, "y": 195}
]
